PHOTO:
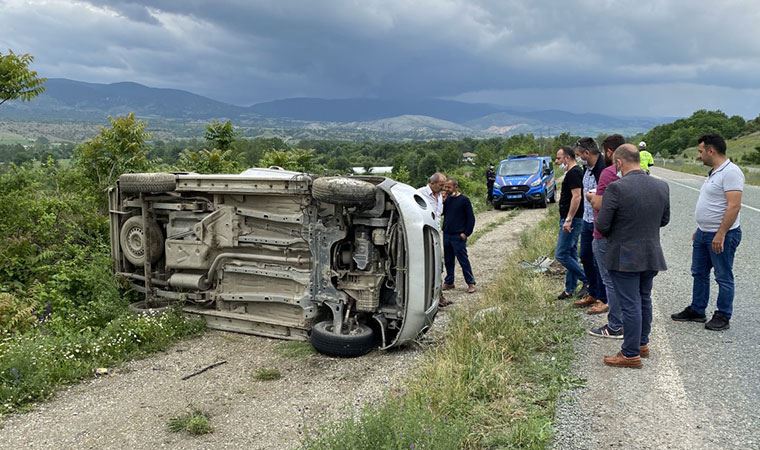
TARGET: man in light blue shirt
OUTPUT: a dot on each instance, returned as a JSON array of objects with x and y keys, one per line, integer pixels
[{"x": 717, "y": 236}]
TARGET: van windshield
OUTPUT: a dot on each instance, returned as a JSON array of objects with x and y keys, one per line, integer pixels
[{"x": 515, "y": 167}]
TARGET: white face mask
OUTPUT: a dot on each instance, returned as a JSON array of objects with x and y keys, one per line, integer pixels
[
  {"x": 619, "y": 174},
  {"x": 563, "y": 166}
]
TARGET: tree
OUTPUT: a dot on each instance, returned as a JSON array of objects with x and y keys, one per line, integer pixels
[
  {"x": 220, "y": 135},
  {"x": 17, "y": 81},
  {"x": 115, "y": 150},
  {"x": 209, "y": 161}
]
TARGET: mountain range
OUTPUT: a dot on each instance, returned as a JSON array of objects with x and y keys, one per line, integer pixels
[{"x": 355, "y": 118}]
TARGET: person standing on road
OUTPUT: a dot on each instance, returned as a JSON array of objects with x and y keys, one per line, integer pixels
[
  {"x": 717, "y": 237},
  {"x": 570, "y": 222},
  {"x": 634, "y": 254},
  {"x": 646, "y": 158},
  {"x": 596, "y": 298},
  {"x": 433, "y": 194},
  {"x": 490, "y": 180},
  {"x": 458, "y": 224},
  {"x": 614, "y": 326}
]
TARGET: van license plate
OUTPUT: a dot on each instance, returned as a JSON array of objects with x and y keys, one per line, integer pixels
[{"x": 514, "y": 196}]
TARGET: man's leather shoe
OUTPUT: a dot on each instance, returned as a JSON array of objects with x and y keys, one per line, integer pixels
[
  {"x": 644, "y": 351},
  {"x": 599, "y": 307},
  {"x": 620, "y": 360},
  {"x": 447, "y": 287},
  {"x": 471, "y": 289},
  {"x": 585, "y": 301}
]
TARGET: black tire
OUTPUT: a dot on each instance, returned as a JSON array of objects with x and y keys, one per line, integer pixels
[
  {"x": 141, "y": 308},
  {"x": 542, "y": 201},
  {"x": 360, "y": 342},
  {"x": 344, "y": 191},
  {"x": 132, "y": 241},
  {"x": 553, "y": 198},
  {"x": 134, "y": 183}
]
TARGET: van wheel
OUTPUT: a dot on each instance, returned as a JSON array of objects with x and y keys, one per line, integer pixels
[
  {"x": 132, "y": 240},
  {"x": 344, "y": 191},
  {"x": 542, "y": 201},
  {"x": 553, "y": 197},
  {"x": 141, "y": 308},
  {"x": 135, "y": 183},
  {"x": 358, "y": 342}
]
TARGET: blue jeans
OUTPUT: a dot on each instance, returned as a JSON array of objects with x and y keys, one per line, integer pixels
[
  {"x": 634, "y": 292},
  {"x": 703, "y": 258},
  {"x": 455, "y": 247},
  {"x": 595, "y": 284},
  {"x": 615, "y": 315},
  {"x": 567, "y": 254}
]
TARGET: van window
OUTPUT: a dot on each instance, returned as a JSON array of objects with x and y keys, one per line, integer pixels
[{"x": 513, "y": 167}]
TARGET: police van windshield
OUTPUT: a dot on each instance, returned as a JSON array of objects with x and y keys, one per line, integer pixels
[{"x": 515, "y": 167}]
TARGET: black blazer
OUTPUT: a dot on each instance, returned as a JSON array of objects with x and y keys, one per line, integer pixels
[{"x": 633, "y": 210}]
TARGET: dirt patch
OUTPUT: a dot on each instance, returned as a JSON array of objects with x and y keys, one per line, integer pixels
[{"x": 131, "y": 407}]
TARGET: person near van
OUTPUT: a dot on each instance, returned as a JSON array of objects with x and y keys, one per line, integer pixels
[
  {"x": 647, "y": 160},
  {"x": 634, "y": 253},
  {"x": 490, "y": 180},
  {"x": 433, "y": 194},
  {"x": 596, "y": 298},
  {"x": 458, "y": 224},
  {"x": 570, "y": 221},
  {"x": 717, "y": 237},
  {"x": 614, "y": 327}
]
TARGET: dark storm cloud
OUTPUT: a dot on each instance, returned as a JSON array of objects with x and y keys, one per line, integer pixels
[{"x": 246, "y": 51}]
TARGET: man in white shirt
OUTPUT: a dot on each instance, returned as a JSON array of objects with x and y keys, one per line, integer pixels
[
  {"x": 717, "y": 237},
  {"x": 433, "y": 194}
]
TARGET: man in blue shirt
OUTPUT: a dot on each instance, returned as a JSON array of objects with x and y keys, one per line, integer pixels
[{"x": 458, "y": 224}]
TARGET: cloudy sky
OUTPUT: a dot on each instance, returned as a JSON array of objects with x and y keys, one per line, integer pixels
[{"x": 631, "y": 57}]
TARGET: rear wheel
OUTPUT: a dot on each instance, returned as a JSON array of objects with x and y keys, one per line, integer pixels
[
  {"x": 133, "y": 244},
  {"x": 359, "y": 341},
  {"x": 134, "y": 183}
]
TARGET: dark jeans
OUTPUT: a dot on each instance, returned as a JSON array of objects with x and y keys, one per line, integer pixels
[
  {"x": 567, "y": 254},
  {"x": 595, "y": 284},
  {"x": 489, "y": 189},
  {"x": 703, "y": 258},
  {"x": 615, "y": 315},
  {"x": 634, "y": 291},
  {"x": 455, "y": 246}
]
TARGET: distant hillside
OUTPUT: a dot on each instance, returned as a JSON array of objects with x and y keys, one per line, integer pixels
[{"x": 177, "y": 111}]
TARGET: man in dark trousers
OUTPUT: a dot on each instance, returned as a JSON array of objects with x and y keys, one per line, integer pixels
[
  {"x": 458, "y": 223},
  {"x": 634, "y": 255},
  {"x": 490, "y": 180},
  {"x": 570, "y": 223}
]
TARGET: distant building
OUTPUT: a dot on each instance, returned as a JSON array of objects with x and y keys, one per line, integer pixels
[
  {"x": 469, "y": 157},
  {"x": 379, "y": 170}
]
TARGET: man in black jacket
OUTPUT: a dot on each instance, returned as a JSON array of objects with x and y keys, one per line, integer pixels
[
  {"x": 633, "y": 210},
  {"x": 458, "y": 224},
  {"x": 490, "y": 180}
]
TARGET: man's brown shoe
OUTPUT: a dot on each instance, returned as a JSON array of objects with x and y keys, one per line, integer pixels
[
  {"x": 599, "y": 307},
  {"x": 644, "y": 351},
  {"x": 621, "y": 360},
  {"x": 585, "y": 301},
  {"x": 447, "y": 287},
  {"x": 471, "y": 289}
]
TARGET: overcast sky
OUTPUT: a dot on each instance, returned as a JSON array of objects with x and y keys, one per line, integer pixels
[{"x": 631, "y": 57}]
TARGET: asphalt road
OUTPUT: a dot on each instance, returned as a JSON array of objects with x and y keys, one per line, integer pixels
[{"x": 700, "y": 389}]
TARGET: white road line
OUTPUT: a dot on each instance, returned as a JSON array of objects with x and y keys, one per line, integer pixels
[{"x": 744, "y": 205}]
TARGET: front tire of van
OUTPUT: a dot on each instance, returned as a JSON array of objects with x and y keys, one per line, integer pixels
[{"x": 359, "y": 342}]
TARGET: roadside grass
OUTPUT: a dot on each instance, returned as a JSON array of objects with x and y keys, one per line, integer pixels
[
  {"x": 267, "y": 374},
  {"x": 195, "y": 422},
  {"x": 491, "y": 226},
  {"x": 688, "y": 166},
  {"x": 495, "y": 379},
  {"x": 295, "y": 349}
]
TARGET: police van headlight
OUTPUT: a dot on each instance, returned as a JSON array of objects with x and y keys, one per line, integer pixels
[{"x": 536, "y": 183}]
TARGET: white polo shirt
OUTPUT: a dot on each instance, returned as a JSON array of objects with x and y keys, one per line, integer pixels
[
  {"x": 712, "y": 203},
  {"x": 435, "y": 202}
]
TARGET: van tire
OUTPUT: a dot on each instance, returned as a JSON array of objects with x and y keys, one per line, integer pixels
[
  {"x": 135, "y": 183},
  {"x": 141, "y": 308},
  {"x": 132, "y": 241},
  {"x": 553, "y": 197},
  {"x": 542, "y": 201},
  {"x": 361, "y": 342},
  {"x": 344, "y": 191}
]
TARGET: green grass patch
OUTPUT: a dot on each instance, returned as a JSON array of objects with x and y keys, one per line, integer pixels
[
  {"x": 495, "y": 380},
  {"x": 267, "y": 374},
  {"x": 697, "y": 168},
  {"x": 295, "y": 349},
  {"x": 195, "y": 422}
]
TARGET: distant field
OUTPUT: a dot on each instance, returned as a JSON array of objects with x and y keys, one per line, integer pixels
[
  {"x": 8, "y": 138},
  {"x": 736, "y": 147}
]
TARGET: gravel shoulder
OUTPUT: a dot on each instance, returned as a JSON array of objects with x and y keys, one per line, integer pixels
[
  {"x": 130, "y": 407},
  {"x": 699, "y": 389}
]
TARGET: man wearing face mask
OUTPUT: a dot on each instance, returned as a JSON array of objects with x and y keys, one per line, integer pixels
[
  {"x": 634, "y": 254},
  {"x": 570, "y": 222}
]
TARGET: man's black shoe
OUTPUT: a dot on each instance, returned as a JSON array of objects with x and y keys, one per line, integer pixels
[
  {"x": 564, "y": 295},
  {"x": 719, "y": 322},
  {"x": 689, "y": 315},
  {"x": 583, "y": 292}
]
